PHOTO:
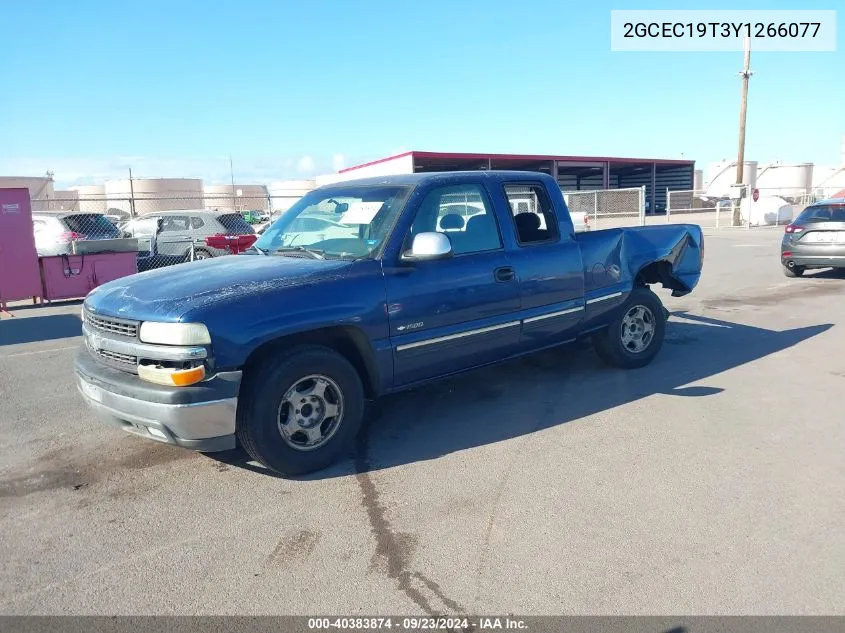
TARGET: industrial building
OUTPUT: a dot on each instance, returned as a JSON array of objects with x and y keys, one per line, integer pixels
[
  {"x": 284, "y": 193},
  {"x": 235, "y": 196},
  {"x": 149, "y": 195},
  {"x": 573, "y": 173},
  {"x": 91, "y": 198},
  {"x": 40, "y": 188}
]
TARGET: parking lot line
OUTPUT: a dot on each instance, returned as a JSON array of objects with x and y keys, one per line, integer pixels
[{"x": 40, "y": 351}]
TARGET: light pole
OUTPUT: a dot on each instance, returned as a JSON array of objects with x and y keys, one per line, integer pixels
[
  {"x": 232, "y": 177},
  {"x": 743, "y": 109},
  {"x": 131, "y": 195}
]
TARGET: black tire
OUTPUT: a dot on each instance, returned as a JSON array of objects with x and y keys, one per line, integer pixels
[
  {"x": 609, "y": 342},
  {"x": 200, "y": 253},
  {"x": 795, "y": 271},
  {"x": 261, "y": 400}
]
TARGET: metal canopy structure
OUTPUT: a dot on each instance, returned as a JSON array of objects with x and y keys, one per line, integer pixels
[{"x": 573, "y": 173}]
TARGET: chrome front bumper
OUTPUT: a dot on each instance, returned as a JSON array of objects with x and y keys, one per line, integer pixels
[{"x": 205, "y": 422}]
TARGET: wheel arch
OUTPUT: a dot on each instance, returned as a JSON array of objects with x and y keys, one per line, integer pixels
[
  {"x": 656, "y": 272},
  {"x": 348, "y": 341}
]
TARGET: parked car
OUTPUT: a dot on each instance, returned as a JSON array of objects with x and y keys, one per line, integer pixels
[
  {"x": 278, "y": 349},
  {"x": 815, "y": 239},
  {"x": 55, "y": 232},
  {"x": 175, "y": 231},
  {"x": 251, "y": 217}
]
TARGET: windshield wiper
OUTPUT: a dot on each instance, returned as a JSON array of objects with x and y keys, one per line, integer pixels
[
  {"x": 257, "y": 249},
  {"x": 315, "y": 253}
]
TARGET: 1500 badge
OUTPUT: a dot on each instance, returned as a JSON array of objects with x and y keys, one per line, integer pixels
[{"x": 410, "y": 326}]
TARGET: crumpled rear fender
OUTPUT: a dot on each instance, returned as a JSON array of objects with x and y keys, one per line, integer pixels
[{"x": 671, "y": 255}]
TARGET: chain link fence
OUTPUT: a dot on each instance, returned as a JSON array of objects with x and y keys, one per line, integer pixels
[
  {"x": 774, "y": 206},
  {"x": 165, "y": 231},
  {"x": 169, "y": 231},
  {"x": 739, "y": 210},
  {"x": 695, "y": 207},
  {"x": 608, "y": 208}
]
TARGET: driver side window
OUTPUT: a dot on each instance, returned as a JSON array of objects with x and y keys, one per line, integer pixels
[{"x": 463, "y": 213}]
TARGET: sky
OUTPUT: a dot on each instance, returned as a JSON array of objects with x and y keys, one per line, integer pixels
[{"x": 288, "y": 89}]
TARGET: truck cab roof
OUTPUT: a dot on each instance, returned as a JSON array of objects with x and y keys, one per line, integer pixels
[{"x": 443, "y": 177}]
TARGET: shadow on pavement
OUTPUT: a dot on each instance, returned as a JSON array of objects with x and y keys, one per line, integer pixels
[
  {"x": 547, "y": 389},
  {"x": 39, "y": 328},
  {"x": 14, "y": 308},
  {"x": 826, "y": 273}
]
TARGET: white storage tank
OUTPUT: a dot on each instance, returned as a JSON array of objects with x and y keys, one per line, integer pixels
[
  {"x": 91, "y": 198},
  {"x": 828, "y": 182},
  {"x": 721, "y": 175},
  {"x": 40, "y": 189},
  {"x": 241, "y": 197},
  {"x": 284, "y": 193},
  {"x": 65, "y": 200},
  {"x": 155, "y": 194},
  {"x": 784, "y": 180}
]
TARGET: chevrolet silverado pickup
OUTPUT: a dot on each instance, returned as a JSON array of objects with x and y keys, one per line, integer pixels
[{"x": 278, "y": 349}]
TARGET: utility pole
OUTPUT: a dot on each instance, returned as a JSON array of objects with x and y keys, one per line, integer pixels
[
  {"x": 743, "y": 108},
  {"x": 232, "y": 176},
  {"x": 131, "y": 195}
]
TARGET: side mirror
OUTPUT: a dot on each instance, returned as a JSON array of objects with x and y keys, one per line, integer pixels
[{"x": 427, "y": 247}]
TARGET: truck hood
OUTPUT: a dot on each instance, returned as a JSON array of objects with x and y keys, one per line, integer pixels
[{"x": 167, "y": 294}]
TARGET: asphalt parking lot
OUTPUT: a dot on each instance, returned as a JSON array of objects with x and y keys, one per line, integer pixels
[{"x": 711, "y": 482}]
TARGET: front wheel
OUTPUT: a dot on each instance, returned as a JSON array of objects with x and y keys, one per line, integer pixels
[
  {"x": 301, "y": 411},
  {"x": 634, "y": 337}
]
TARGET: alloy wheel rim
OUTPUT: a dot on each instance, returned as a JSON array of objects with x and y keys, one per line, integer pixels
[
  {"x": 638, "y": 327},
  {"x": 310, "y": 412}
]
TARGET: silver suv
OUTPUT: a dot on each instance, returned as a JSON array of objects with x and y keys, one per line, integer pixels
[{"x": 170, "y": 234}]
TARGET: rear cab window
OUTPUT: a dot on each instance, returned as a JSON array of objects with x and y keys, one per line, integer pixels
[
  {"x": 235, "y": 224},
  {"x": 534, "y": 218}
]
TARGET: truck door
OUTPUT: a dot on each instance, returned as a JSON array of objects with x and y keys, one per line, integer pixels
[
  {"x": 452, "y": 314},
  {"x": 548, "y": 264}
]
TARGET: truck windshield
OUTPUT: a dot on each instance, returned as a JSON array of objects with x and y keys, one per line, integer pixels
[{"x": 344, "y": 221}]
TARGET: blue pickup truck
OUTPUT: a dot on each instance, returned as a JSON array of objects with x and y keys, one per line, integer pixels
[{"x": 278, "y": 349}]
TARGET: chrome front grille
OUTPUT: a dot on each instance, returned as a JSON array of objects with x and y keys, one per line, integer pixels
[
  {"x": 117, "y": 358},
  {"x": 111, "y": 325}
]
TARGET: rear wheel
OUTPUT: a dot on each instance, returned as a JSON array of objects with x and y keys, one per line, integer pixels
[
  {"x": 301, "y": 411},
  {"x": 200, "y": 253},
  {"x": 634, "y": 337},
  {"x": 795, "y": 271}
]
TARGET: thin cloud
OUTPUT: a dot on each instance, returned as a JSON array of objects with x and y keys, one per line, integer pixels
[
  {"x": 86, "y": 170},
  {"x": 306, "y": 165}
]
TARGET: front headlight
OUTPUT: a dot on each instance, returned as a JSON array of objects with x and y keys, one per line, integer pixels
[{"x": 174, "y": 333}]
